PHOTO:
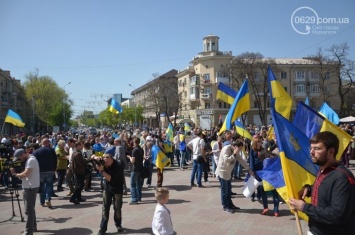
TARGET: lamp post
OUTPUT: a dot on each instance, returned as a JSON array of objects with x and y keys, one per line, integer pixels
[
  {"x": 135, "y": 106},
  {"x": 64, "y": 125}
]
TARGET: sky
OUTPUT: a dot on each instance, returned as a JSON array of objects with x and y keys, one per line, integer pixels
[{"x": 100, "y": 47}]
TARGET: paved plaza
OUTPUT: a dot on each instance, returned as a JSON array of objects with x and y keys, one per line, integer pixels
[{"x": 193, "y": 211}]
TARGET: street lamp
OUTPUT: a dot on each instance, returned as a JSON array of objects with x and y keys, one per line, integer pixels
[
  {"x": 64, "y": 125},
  {"x": 135, "y": 106}
]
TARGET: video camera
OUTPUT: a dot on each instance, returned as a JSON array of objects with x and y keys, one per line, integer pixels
[{"x": 6, "y": 150}]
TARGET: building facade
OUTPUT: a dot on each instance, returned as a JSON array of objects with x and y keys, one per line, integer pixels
[{"x": 198, "y": 84}]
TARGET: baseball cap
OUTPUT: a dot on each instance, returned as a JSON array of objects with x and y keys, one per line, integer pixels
[{"x": 18, "y": 153}]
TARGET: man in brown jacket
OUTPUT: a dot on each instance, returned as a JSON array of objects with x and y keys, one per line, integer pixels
[{"x": 77, "y": 165}]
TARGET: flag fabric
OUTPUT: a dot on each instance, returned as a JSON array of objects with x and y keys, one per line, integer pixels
[
  {"x": 187, "y": 127},
  {"x": 272, "y": 172},
  {"x": 115, "y": 107},
  {"x": 296, "y": 163},
  {"x": 241, "y": 130},
  {"x": 225, "y": 93},
  {"x": 307, "y": 101},
  {"x": 241, "y": 104},
  {"x": 14, "y": 119},
  {"x": 170, "y": 133},
  {"x": 329, "y": 113},
  {"x": 310, "y": 122},
  {"x": 281, "y": 101},
  {"x": 159, "y": 159}
]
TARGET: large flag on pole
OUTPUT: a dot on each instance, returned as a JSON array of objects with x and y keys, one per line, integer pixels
[
  {"x": 297, "y": 166},
  {"x": 311, "y": 122},
  {"x": 115, "y": 107},
  {"x": 14, "y": 119},
  {"x": 241, "y": 104},
  {"x": 187, "y": 127},
  {"x": 329, "y": 113},
  {"x": 159, "y": 159},
  {"x": 225, "y": 93},
  {"x": 281, "y": 102}
]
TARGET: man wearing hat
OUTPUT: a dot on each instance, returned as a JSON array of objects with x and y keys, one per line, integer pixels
[{"x": 30, "y": 184}]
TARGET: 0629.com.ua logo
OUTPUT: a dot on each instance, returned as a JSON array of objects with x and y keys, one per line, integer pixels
[{"x": 305, "y": 21}]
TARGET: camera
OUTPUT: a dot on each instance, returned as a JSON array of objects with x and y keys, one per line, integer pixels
[{"x": 6, "y": 150}]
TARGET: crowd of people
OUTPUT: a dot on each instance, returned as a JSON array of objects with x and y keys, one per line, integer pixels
[{"x": 74, "y": 159}]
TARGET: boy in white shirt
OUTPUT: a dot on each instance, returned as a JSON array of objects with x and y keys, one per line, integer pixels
[{"x": 162, "y": 223}]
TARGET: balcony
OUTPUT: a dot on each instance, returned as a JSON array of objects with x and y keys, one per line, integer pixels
[
  {"x": 206, "y": 96},
  {"x": 206, "y": 82},
  {"x": 194, "y": 97}
]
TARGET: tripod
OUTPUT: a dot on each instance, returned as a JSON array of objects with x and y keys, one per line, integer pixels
[{"x": 13, "y": 190}]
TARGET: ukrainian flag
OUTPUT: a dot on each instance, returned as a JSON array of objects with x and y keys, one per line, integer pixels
[
  {"x": 14, "y": 119},
  {"x": 297, "y": 166},
  {"x": 115, "y": 107},
  {"x": 187, "y": 127},
  {"x": 170, "y": 133},
  {"x": 281, "y": 102},
  {"x": 241, "y": 131},
  {"x": 241, "y": 104},
  {"x": 310, "y": 123},
  {"x": 159, "y": 159},
  {"x": 329, "y": 113},
  {"x": 225, "y": 93}
]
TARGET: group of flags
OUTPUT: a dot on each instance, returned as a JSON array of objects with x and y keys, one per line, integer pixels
[{"x": 294, "y": 167}]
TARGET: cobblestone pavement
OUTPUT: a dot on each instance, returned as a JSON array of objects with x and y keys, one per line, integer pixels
[{"x": 193, "y": 211}]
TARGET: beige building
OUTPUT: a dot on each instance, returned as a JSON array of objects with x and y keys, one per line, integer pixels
[
  {"x": 198, "y": 83},
  {"x": 13, "y": 97}
]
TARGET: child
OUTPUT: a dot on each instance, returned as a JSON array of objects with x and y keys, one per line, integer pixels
[{"x": 162, "y": 223}]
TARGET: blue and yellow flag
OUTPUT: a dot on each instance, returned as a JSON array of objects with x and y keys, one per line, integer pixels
[
  {"x": 159, "y": 159},
  {"x": 14, "y": 119},
  {"x": 241, "y": 130},
  {"x": 170, "y": 133},
  {"x": 115, "y": 107},
  {"x": 329, "y": 113},
  {"x": 297, "y": 166},
  {"x": 241, "y": 104},
  {"x": 187, "y": 127},
  {"x": 225, "y": 93},
  {"x": 281, "y": 102},
  {"x": 310, "y": 123}
]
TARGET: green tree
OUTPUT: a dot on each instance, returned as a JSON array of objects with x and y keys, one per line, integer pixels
[{"x": 50, "y": 101}]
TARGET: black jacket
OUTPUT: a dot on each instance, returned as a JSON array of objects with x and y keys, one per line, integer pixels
[{"x": 115, "y": 185}]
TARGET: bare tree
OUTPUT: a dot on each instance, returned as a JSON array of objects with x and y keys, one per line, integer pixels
[{"x": 254, "y": 67}]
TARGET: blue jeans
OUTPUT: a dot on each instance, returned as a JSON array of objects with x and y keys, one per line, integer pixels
[
  {"x": 182, "y": 160},
  {"x": 197, "y": 168},
  {"x": 226, "y": 192},
  {"x": 46, "y": 179},
  {"x": 177, "y": 155},
  {"x": 238, "y": 170},
  {"x": 136, "y": 186},
  {"x": 108, "y": 198}
]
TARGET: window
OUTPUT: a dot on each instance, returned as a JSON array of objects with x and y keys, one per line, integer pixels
[
  {"x": 213, "y": 46},
  {"x": 300, "y": 88},
  {"x": 220, "y": 105},
  {"x": 283, "y": 75},
  {"x": 206, "y": 78},
  {"x": 314, "y": 88},
  {"x": 314, "y": 76},
  {"x": 327, "y": 75},
  {"x": 255, "y": 104},
  {"x": 300, "y": 75},
  {"x": 207, "y": 105},
  {"x": 208, "y": 46}
]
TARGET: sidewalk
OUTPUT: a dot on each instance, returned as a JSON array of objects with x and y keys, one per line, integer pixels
[{"x": 193, "y": 211}]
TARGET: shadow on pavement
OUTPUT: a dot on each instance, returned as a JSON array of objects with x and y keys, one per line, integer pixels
[{"x": 68, "y": 231}]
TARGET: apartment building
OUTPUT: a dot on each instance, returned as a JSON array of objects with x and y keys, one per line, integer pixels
[{"x": 198, "y": 83}]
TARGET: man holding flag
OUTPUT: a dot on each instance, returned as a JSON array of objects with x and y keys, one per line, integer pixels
[{"x": 332, "y": 207}]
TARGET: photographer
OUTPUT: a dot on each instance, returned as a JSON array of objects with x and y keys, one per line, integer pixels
[
  {"x": 113, "y": 175},
  {"x": 30, "y": 184}
]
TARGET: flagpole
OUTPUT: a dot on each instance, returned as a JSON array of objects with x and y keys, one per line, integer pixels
[{"x": 298, "y": 223}]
